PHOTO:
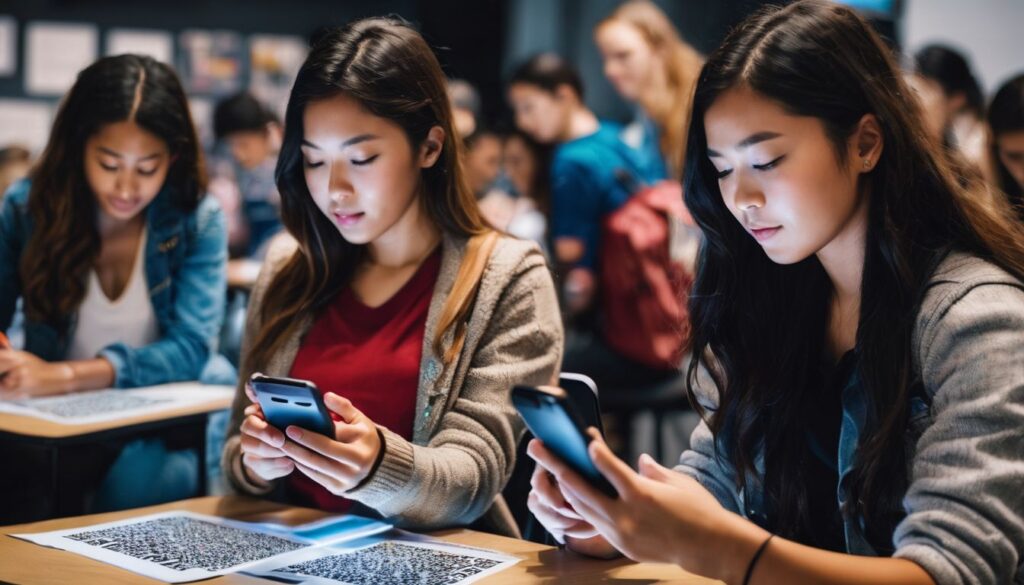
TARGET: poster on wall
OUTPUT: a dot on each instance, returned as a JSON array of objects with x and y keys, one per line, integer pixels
[
  {"x": 25, "y": 123},
  {"x": 152, "y": 43},
  {"x": 210, "y": 62},
  {"x": 55, "y": 53},
  {"x": 8, "y": 46},
  {"x": 274, "y": 62}
]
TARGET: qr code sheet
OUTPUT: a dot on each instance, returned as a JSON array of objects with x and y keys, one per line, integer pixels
[
  {"x": 182, "y": 543},
  {"x": 392, "y": 563}
]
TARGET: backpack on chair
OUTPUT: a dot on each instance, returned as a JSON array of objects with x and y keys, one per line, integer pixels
[{"x": 646, "y": 275}]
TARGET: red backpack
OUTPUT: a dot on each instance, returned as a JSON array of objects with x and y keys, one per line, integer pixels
[{"x": 644, "y": 280}]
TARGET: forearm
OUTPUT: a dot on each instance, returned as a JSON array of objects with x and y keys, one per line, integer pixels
[
  {"x": 785, "y": 561},
  {"x": 89, "y": 374}
]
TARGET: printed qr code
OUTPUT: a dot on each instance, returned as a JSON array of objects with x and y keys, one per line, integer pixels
[
  {"x": 181, "y": 543},
  {"x": 90, "y": 403},
  {"x": 391, "y": 563}
]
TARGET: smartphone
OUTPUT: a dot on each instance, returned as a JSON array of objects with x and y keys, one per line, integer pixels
[
  {"x": 551, "y": 417},
  {"x": 287, "y": 401}
]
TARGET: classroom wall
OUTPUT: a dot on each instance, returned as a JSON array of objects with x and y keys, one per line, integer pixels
[{"x": 987, "y": 31}]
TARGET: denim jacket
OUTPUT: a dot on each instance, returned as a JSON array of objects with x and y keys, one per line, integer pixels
[
  {"x": 964, "y": 504},
  {"x": 186, "y": 254}
]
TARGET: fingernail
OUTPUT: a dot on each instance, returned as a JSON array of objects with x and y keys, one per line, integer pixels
[{"x": 294, "y": 432}]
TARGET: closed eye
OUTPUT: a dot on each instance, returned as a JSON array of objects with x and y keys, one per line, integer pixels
[
  {"x": 723, "y": 174},
  {"x": 365, "y": 161},
  {"x": 312, "y": 165},
  {"x": 770, "y": 164}
]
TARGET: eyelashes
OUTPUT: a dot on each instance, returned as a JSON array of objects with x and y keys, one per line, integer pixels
[
  {"x": 358, "y": 163},
  {"x": 763, "y": 167}
]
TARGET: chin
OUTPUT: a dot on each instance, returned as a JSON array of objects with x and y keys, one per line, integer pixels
[{"x": 785, "y": 256}]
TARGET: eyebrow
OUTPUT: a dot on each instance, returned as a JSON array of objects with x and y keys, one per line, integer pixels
[
  {"x": 116, "y": 154},
  {"x": 749, "y": 141},
  {"x": 347, "y": 143}
]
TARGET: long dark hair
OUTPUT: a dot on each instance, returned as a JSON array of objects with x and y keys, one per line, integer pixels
[
  {"x": 763, "y": 344},
  {"x": 388, "y": 68},
  {"x": 1006, "y": 114},
  {"x": 65, "y": 240}
]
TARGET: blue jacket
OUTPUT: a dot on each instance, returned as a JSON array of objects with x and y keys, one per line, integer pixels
[{"x": 186, "y": 255}]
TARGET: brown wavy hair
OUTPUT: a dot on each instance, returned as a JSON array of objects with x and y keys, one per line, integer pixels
[
  {"x": 391, "y": 71},
  {"x": 670, "y": 108},
  {"x": 65, "y": 240}
]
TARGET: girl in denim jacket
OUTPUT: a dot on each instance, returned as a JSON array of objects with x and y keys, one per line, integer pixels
[{"x": 118, "y": 258}]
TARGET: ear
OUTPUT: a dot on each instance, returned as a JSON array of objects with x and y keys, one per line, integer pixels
[
  {"x": 957, "y": 102},
  {"x": 431, "y": 148},
  {"x": 866, "y": 144}
]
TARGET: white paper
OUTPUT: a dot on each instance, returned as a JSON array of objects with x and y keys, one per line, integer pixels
[
  {"x": 25, "y": 122},
  {"x": 55, "y": 53},
  {"x": 8, "y": 46},
  {"x": 153, "y": 43},
  {"x": 173, "y": 546},
  {"x": 109, "y": 404},
  {"x": 386, "y": 560},
  {"x": 183, "y": 546}
]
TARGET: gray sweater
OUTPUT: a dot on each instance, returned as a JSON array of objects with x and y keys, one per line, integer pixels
[
  {"x": 466, "y": 432},
  {"x": 965, "y": 502}
]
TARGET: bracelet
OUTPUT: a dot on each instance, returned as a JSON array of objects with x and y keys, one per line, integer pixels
[{"x": 757, "y": 556}]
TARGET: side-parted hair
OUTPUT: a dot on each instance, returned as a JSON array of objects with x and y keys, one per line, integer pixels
[
  {"x": 385, "y": 65},
  {"x": 65, "y": 239},
  {"x": 759, "y": 327},
  {"x": 670, "y": 109}
]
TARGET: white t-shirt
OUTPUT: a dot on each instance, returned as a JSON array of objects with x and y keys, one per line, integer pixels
[{"x": 128, "y": 319}]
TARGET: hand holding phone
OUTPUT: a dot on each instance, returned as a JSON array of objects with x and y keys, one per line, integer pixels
[
  {"x": 551, "y": 417},
  {"x": 287, "y": 401}
]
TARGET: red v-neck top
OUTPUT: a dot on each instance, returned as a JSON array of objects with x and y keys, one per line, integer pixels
[{"x": 370, "y": 355}]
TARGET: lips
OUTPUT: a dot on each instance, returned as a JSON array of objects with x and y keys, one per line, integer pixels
[
  {"x": 763, "y": 233},
  {"x": 122, "y": 205},
  {"x": 348, "y": 219}
]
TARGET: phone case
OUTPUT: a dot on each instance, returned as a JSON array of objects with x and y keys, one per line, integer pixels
[{"x": 286, "y": 402}]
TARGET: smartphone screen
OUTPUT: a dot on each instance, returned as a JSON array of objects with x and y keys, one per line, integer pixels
[
  {"x": 550, "y": 418},
  {"x": 287, "y": 402}
]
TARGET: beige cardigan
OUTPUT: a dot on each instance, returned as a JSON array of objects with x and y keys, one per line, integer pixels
[{"x": 466, "y": 431}]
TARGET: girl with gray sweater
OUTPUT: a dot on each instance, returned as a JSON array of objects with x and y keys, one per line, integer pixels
[{"x": 858, "y": 318}]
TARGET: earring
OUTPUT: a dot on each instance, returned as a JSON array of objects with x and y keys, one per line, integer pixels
[{"x": 867, "y": 164}]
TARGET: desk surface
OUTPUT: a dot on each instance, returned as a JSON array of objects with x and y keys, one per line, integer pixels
[
  {"x": 36, "y": 427},
  {"x": 25, "y": 562}
]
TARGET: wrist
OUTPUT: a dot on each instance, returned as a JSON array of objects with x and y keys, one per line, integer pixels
[
  {"x": 67, "y": 376},
  {"x": 738, "y": 541}
]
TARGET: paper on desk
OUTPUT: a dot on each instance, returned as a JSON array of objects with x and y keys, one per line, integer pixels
[
  {"x": 183, "y": 546},
  {"x": 107, "y": 405},
  {"x": 395, "y": 558}
]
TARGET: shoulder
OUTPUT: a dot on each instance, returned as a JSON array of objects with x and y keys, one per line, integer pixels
[
  {"x": 14, "y": 215},
  {"x": 968, "y": 300},
  {"x": 17, "y": 193},
  {"x": 513, "y": 255},
  {"x": 280, "y": 250}
]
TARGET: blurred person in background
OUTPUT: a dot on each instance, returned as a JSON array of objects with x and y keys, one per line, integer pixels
[
  {"x": 592, "y": 175},
  {"x": 251, "y": 132},
  {"x": 651, "y": 66},
  {"x": 521, "y": 209},
  {"x": 1006, "y": 128},
  {"x": 482, "y": 160},
  {"x": 15, "y": 162},
  {"x": 952, "y": 100},
  {"x": 465, "y": 100}
]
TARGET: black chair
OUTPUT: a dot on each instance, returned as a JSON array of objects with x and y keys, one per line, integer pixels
[
  {"x": 233, "y": 328},
  {"x": 661, "y": 398}
]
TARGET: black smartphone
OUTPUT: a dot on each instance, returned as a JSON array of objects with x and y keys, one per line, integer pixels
[
  {"x": 287, "y": 401},
  {"x": 551, "y": 417}
]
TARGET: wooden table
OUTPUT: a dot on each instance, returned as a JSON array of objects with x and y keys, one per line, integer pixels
[
  {"x": 58, "y": 444},
  {"x": 24, "y": 562}
]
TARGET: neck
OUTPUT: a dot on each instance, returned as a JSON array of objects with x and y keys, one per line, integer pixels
[
  {"x": 843, "y": 261},
  {"x": 582, "y": 122},
  {"x": 407, "y": 243},
  {"x": 111, "y": 227}
]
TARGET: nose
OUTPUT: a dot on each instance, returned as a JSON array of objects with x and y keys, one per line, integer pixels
[
  {"x": 124, "y": 185},
  {"x": 339, "y": 187},
  {"x": 747, "y": 196}
]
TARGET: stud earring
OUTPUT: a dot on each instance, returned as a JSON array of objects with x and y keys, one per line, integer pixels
[{"x": 867, "y": 163}]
